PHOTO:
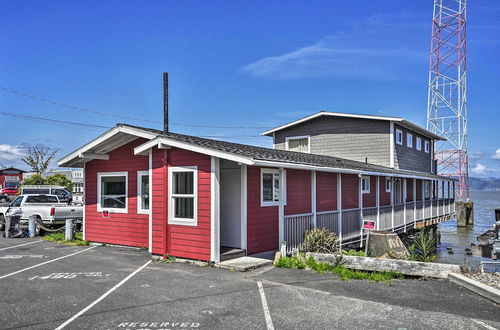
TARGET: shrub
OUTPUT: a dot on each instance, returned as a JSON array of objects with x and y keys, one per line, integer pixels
[
  {"x": 320, "y": 240},
  {"x": 424, "y": 247}
]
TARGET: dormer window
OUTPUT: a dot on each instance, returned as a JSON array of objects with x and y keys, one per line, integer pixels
[
  {"x": 399, "y": 136},
  {"x": 409, "y": 140},
  {"x": 426, "y": 146},
  {"x": 298, "y": 143}
]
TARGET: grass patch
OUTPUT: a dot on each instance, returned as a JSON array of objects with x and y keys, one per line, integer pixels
[
  {"x": 59, "y": 238},
  {"x": 169, "y": 259},
  {"x": 354, "y": 253},
  {"x": 300, "y": 262}
]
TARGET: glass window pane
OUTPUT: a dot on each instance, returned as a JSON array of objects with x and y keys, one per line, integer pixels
[
  {"x": 276, "y": 191},
  {"x": 267, "y": 187},
  {"x": 183, "y": 183},
  {"x": 184, "y": 207},
  {"x": 113, "y": 202},
  {"x": 144, "y": 192},
  {"x": 301, "y": 145},
  {"x": 113, "y": 185}
]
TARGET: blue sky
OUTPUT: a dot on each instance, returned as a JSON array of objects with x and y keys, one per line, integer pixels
[{"x": 231, "y": 63}]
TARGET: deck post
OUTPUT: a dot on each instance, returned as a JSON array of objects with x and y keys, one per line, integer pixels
[
  {"x": 339, "y": 204},
  {"x": 281, "y": 206},
  {"x": 392, "y": 203},
  {"x": 414, "y": 200},
  {"x": 423, "y": 199},
  {"x": 313, "y": 199},
  {"x": 215, "y": 209},
  {"x": 449, "y": 198},
  {"x": 378, "y": 202},
  {"x": 405, "y": 194},
  {"x": 360, "y": 205},
  {"x": 244, "y": 203}
]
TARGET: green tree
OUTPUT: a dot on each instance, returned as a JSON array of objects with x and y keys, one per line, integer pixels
[
  {"x": 38, "y": 158},
  {"x": 59, "y": 179}
]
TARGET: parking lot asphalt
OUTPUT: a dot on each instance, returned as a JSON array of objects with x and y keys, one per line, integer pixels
[{"x": 119, "y": 288}]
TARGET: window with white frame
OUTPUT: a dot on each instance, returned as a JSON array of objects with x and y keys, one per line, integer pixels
[
  {"x": 112, "y": 191},
  {"x": 399, "y": 136},
  {"x": 298, "y": 143},
  {"x": 388, "y": 184},
  {"x": 418, "y": 143},
  {"x": 143, "y": 192},
  {"x": 183, "y": 191},
  {"x": 365, "y": 184},
  {"x": 409, "y": 140},
  {"x": 270, "y": 187},
  {"x": 426, "y": 146},
  {"x": 427, "y": 189}
]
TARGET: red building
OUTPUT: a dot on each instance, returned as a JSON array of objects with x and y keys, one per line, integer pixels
[
  {"x": 10, "y": 177},
  {"x": 192, "y": 197}
]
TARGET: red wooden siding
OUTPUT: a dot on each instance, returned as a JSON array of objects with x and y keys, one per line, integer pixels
[
  {"x": 262, "y": 222},
  {"x": 370, "y": 200},
  {"x": 419, "y": 189},
  {"x": 350, "y": 191},
  {"x": 385, "y": 197},
  {"x": 326, "y": 191},
  {"x": 298, "y": 192},
  {"x": 120, "y": 228},
  {"x": 409, "y": 190},
  {"x": 160, "y": 190}
]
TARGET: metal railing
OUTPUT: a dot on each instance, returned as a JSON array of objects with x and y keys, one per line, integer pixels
[{"x": 347, "y": 224}]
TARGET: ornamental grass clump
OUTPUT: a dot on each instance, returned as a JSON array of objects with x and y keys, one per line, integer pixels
[
  {"x": 320, "y": 240},
  {"x": 424, "y": 247}
]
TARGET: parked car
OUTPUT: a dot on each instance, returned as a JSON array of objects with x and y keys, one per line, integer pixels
[
  {"x": 61, "y": 192},
  {"x": 11, "y": 191},
  {"x": 47, "y": 208}
]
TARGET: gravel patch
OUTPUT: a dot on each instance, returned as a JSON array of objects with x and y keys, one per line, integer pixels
[{"x": 491, "y": 279}]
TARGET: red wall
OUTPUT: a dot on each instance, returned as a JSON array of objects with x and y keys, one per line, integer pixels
[
  {"x": 419, "y": 190},
  {"x": 350, "y": 190},
  {"x": 262, "y": 222},
  {"x": 385, "y": 197},
  {"x": 409, "y": 190},
  {"x": 298, "y": 192},
  {"x": 182, "y": 241},
  {"x": 326, "y": 191},
  {"x": 120, "y": 228},
  {"x": 370, "y": 200}
]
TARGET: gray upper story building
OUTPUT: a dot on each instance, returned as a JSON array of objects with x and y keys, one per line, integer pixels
[{"x": 387, "y": 141}]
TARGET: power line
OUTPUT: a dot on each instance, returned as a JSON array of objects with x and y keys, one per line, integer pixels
[{"x": 72, "y": 107}]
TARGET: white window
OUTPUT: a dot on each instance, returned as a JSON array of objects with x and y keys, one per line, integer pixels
[
  {"x": 409, "y": 140},
  {"x": 388, "y": 184},
  {"x": 427, "y": 189},
  {"x": 426, "y": 146},
  {"x": 399, "y": 136},
  {"x": 270, "y": 187},
  {"x": 298, "y": 143},
  {"x": 365, "y": 184},
  {"x": 183, "y": 192},
  {"x": 112, "y": 191},
  {"x": 418, "y": 143},
  {"x": 143, "y": 192}
]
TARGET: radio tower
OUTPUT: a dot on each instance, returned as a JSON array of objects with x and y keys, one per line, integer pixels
[{"x": 447, "y": 98}]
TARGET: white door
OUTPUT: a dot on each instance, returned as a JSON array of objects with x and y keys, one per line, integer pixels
[{"x": 230, "y": 207}]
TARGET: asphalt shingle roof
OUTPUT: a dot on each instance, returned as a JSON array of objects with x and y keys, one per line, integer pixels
[{"x": 285, "y": 156}]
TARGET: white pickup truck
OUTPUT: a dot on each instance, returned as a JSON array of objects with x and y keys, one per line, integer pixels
[{"x": 48, "y": 208}]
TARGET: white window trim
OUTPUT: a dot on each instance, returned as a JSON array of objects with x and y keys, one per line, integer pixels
[
  {"x": 388, "y": 180},
  {"x": 308, "y": 137},
  {"x": 111, "y": 209},
  {"x": 409, "y": 140},
  {"x": 427, "y": 146},
  {"x": 183, "y": 221},
  {"x": 399, "y": 133},
  {"x": 418, "y": 143},
  {"x": 274, "y": 171},
  {"x": 367, "y": 178},
  {"x": 140, "y": 210}
]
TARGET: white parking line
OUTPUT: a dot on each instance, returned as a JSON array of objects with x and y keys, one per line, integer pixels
[
  {"x": 487, "y": 326},
  {"x": 77, "y": 315},
  {"x": 267, "y": 314},
  {"x": 44, "y": 263},
  {"x": 13, "y": 247}
]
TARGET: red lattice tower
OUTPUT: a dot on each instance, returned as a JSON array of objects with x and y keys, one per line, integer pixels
[{"x": 447, "y": 99}]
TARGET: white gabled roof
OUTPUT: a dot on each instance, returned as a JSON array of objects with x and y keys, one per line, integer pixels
[{"x": 400, "y": 120}]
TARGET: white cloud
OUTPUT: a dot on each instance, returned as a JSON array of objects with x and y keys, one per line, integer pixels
[
  {"x": 479, "y": 169},
  {"x": 477, "y": 155},
  {"x": 10, "y": 155},
  {"x": 496, "y": 155},
  {"x": 363, "y": 52}
]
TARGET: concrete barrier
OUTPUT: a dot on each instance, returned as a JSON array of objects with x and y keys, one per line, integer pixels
[
  {"x": 411, "y": 268},
  {"x": 477, "y": 287}
]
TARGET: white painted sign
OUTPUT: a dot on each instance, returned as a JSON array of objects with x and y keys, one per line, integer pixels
[
  {"x": 158, "y": 325},
  {"x": 57, "y": 276},
  {"x": 20, "y": 256}
]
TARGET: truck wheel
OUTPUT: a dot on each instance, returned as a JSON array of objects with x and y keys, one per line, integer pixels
[{"x": 2, "y": 222}]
